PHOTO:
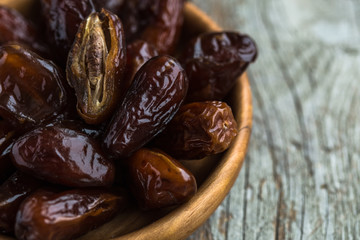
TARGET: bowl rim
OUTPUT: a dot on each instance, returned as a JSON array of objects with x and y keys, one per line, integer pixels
[{"x": 184, "y": 220}]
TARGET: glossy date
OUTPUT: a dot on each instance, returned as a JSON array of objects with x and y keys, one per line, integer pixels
[
  {"x": 166, "y": 20},
  {"x": 66, "y": 215},
  {"x": 14, "y": 28},
  {"x": 31, "y": 88},
  {"x": 137, "y": 54},
  {"x": 157, "y": 180},
  {"x": 12, "y": 192},
  {"x": 63, "y": 156},
  {"x": 213, "y": 61},
  {"x": 96, "y": 64},
  {"x": 62, "y": 18},
  {"x": 157, "y": 92},
  {"x": 199, "y": 129}
]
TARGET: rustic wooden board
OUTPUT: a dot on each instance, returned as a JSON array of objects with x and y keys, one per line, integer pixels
[{"x": 301, "y": 177}]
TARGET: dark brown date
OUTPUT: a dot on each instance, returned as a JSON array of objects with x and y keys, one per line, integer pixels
[
  {"x": 63, "y": 156},
  {"x": 135, "y": 16},
  {"x": 60, "y": 216},
  {"x": 213, "y": 61},
  {"x": 6, "y": 166},
  {"x": 15, "y": 28},
  {"x": 199, "y": 129},
  {"x": 63, "y": 18},
  {"x": 157, "y": 180},
  {"x": 157, "y": 92},
  {"x": 31, "y": 88},
  {"x": 7, "y": 134},
  {"x": 12, "y": 192},
  {"x": 137, "y": 53},
  {"x": 164, "y": 28},
  {"x": 96, "y": 65},
  {"x": 7, "y": 137},
  {"x": 113, "y": 6},
  {"x": 93, "y": 131}
]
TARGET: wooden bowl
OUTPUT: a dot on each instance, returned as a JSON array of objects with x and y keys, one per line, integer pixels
[{"x": 216, "y": 174}]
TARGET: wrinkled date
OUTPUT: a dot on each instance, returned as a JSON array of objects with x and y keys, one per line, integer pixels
[
  {"x": 213, "y": 61},
  {"x": 157, "y": 180},
  {"x": 137, "y": 54},
  {"x": 157, "y": 22},
  {"x": 63, "y": 156},
  {"x": 164, "y": 30},
  {"x": 62, "y": 18},
  {"x": 59, "y": 216},
  {"x": 199, "y": 129},
  {"x": 15, "y": 28},
  {"x": 31, "y": 88},
  {"x": 154, "y": 97},
  {"x": 12, "y": 192},
  {"x": 96, "y": 64}
]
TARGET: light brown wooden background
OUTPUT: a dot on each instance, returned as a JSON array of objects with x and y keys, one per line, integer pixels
[{"x": 301, "y": 177}]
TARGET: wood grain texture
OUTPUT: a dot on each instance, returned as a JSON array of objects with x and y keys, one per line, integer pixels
[{"x": 301, "y": 176}]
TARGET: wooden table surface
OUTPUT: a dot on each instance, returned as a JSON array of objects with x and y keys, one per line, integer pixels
[{"x": 301, "y": 176}]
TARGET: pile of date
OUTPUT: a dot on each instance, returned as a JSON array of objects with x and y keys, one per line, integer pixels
[{"x": 98, "y": 106}]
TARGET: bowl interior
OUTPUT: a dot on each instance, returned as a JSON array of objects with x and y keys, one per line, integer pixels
[{"x": 215, "y": 174}]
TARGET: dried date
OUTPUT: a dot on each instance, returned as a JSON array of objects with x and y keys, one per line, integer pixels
[
  {"x": 15, "y": 28},
  {"x": 157, "y": 92},
  {"x": 31, "y": 88},
  {"x": 12, "y": 192},
  {"x": 66, "y": 215},
  {"x": 137, "y": 54},
  {"x": 164, "y": 30},
  {"x": 96, "y": 65},
  {"x": 157, "y": 180},
  {"x": 199, "y": 129},
  {"x": 213, "y": 61},
  {"x": 63, "y": 156},
  {"x": 62, "y": 18}
]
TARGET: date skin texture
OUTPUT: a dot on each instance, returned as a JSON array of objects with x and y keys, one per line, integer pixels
[
  {"x": 12, "y": 192},
  {"x": 15, "y": 28},
  {"x": 214, "y": 61},
  {"x": 157, "y": 180},
  {"x": 62, "y": 18},
  {"x": 164, "y": 30},
  {"x": 31, "y": 88},
  {"x": 157, "y": 22},
  {"x": 63, "y": 156},
  {"x": 137, "y": 54},
  {"x": 66, "y": 215},
  {"x": 198, "y": 130},
  {"x": 154, "y": 97},
  {"x": 96, "y": 66}
]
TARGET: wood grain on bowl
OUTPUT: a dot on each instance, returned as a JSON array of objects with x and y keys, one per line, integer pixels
[{"x": 180, "y": 222}]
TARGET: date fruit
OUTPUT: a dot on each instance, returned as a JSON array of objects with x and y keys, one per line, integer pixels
[
  {"x": 157, "y": 180},
  {"x": 137, "y": 54},
  {"x": 157, "y": 92},
  {"x": 66, "y": 215},
  {"x": 199, "y": 129},
  {"x": 12, "y": 192},
  {"x": 31, "y": 88},
  {"x": 15, "y": 28},
  {"x": 213, "y": 62},
  {"x": 62, "y": 18},
  {"x": 96, "y": 65},
  {"x": 6, "y": 166},
  {"x": 63, "y": 156},
  {"x": 164, "y": 30}
]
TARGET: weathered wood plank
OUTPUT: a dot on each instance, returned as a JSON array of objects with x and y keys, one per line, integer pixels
[{"x": 302, "y": 174}]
